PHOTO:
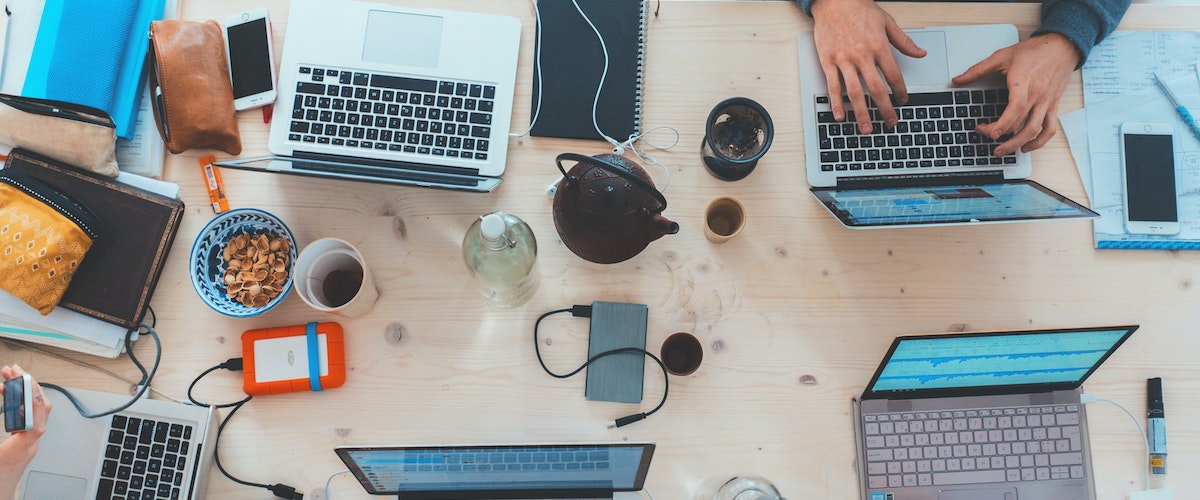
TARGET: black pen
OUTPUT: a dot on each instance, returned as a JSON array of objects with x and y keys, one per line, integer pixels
[{"x": 1156, "y": 416}]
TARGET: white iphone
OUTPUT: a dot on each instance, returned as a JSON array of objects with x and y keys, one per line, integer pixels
[
  {"x": 251, "y": 58},
  {"x": 1148, "y": 168}
]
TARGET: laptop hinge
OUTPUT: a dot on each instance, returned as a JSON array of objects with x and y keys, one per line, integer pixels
[
  {"x": 390, "y": 164},
  {"x": 921, "y": 179}
]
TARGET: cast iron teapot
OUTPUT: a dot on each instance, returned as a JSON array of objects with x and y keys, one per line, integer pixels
[{"x": 606, "y": 209}]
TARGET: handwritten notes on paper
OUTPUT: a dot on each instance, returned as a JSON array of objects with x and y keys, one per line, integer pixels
[{"x": 1119, "y": 87}]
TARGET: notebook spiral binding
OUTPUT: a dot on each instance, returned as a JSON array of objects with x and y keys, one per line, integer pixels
[{"x": 641, "y": 66}]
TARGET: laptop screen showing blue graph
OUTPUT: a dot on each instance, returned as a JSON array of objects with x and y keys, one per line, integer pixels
[
  {"x": 916, "y": 205},
  {"x": 1051, "y": 359},
  {"x": 584, "y": 467}
]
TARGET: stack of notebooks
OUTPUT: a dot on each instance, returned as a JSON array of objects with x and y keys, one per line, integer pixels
[{"x": 110, "y": 293}]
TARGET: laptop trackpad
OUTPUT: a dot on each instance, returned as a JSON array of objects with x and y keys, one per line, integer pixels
[
  {"x": 46, "y": 485},
  {"x": 402, "y": 39},
  {"x": 933, "y": 69},
  {"x": 979, "y": 494}
]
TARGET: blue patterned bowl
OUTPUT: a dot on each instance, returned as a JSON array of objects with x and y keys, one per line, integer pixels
[{"x": 208, "y": 266}]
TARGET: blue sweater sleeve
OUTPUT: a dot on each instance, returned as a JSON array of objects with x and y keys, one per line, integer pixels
[
  {"x": 1084, "y": 22},
  {"x": 806, "y": 5}
]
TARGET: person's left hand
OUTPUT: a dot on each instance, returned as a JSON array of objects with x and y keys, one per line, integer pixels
[
  {"x": 18, "y": 450},
  {"x": 1038, "y": 70}
]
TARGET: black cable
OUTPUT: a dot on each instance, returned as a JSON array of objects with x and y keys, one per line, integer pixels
[
  {"x": 235, "y": 364},
  {"x": 584, "y": 312},
  {"x": 143, "y": 385}
]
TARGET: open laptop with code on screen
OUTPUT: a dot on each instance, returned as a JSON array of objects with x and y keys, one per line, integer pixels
[
  {"x": 981, "y": 416},
  {"x": 487, "y": 472}
]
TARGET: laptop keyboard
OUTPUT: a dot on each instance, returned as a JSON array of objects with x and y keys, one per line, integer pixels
[
  {"x": 144, "y": 459},
  {"x": 935, "y": 130},
  {"x": 552, "y": 458},
  {"x": 973, "y": 446},
  {"x": 435, "y": 118}
]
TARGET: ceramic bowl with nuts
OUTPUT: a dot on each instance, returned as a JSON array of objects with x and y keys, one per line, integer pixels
[{"x": 242, "y": 262}]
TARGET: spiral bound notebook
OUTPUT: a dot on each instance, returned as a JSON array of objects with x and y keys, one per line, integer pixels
[{"x": 572, "y": 62}]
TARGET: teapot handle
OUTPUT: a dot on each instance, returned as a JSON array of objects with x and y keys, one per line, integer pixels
[{"x": 615, "y": 169}]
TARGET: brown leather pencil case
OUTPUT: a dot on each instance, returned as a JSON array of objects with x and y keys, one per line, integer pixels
[{"x": 193, "y": 96}]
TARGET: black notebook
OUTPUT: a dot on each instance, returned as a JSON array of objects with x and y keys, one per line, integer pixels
[
  {"x": 572, "y": 62},
  {"x": 117, "y": 277}
]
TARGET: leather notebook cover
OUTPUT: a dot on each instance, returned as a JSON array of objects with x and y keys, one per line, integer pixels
[
  {"x": 572, "y": 62},
  {"x": 118, "y": 274}
]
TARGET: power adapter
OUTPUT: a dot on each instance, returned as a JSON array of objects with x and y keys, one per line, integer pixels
[{"x": 618, "y": 377}]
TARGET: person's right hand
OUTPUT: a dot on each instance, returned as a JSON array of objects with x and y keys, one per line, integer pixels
[{"x": 854, "y": 40}]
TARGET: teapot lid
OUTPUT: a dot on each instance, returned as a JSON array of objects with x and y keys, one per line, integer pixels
[{"x": 617, "y": 170}]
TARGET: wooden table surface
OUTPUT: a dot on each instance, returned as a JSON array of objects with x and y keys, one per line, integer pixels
[{"x": 794, "y": 313}]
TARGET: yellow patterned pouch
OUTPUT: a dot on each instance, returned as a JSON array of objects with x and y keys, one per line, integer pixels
[{"x": 44, "y": 235}]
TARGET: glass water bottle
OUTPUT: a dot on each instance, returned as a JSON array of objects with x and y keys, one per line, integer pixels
[{"x": 501, "y": 254}]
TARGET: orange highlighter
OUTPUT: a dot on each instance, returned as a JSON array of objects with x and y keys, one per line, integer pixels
[{"x": 216, "y": 188}]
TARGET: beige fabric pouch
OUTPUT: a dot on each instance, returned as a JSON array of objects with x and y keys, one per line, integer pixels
[{"x": 80, "y": 136}]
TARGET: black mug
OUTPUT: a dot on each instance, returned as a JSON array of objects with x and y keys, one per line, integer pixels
[{"x": 738, "y": 132}]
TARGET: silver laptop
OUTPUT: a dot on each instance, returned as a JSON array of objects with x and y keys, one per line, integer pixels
[
  {"x": 521, "y": 471},
  {"x": 153, "y": 450},
  {"x": 934, "y": 143},
  {"x": 981, "y": 416},
  {"x": 381, "y": 93}
]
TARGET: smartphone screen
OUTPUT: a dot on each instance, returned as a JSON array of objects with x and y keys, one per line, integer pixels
[
  {"x": 14, "y": 404},
  {"x": 249, "y": 59},
  {"x": 1150, "y": 178}
]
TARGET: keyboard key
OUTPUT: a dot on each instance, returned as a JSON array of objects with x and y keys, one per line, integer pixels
[{"x": 969, "y": 477}]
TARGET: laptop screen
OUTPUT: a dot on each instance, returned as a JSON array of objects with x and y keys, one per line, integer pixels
[
  {"x": 503, "y": 471},
  {"x": 1016, "y": 361},
  {"x": 929, "y": 205}
]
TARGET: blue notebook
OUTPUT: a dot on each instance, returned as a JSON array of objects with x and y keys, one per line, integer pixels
[{"x": 93, "y": 53}]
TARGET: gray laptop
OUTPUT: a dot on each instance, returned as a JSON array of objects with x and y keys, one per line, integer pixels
[
  {"x": 981, "y": 416},
  {"x": 879, "y": 179},
  {"x": 523, "y": 471},
  {"x": 152, "y": 450},
  {"x": 382, "y": 93}
]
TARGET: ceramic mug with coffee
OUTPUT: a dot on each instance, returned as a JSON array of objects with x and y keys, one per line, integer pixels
[{"x": 331, "y": 276}]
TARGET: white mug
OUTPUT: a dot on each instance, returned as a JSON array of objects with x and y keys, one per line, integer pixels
[{"x": 331, "y": 276}]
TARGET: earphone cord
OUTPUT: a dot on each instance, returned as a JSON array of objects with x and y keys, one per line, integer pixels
[{"x": 618, "y": 146}]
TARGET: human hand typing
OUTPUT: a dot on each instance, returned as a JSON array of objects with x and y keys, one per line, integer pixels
[
  {"x": 1037, "y": 70},
  {"x": 854, "y": 40}
]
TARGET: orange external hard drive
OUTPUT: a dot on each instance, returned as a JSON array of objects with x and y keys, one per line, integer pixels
[{"x": 310, "y": 357}]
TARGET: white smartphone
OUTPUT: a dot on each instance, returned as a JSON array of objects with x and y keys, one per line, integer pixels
[
  {"x": 1148, "y": 178},
  {"x": 18, "y": 403},
  {"x": 251, "y": 58}
]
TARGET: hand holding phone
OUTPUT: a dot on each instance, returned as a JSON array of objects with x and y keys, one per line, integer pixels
[
  {"x": 1148, "y": 168},
  {"x": 18, "y": 403},
  {"x": 251, "y": 58}
]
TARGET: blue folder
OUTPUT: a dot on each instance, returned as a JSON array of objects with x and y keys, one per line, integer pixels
[{"x": 93, "y": 53}]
